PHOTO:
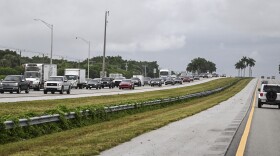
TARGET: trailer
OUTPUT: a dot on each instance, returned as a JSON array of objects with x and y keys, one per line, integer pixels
[{"x": 76, "y": 76}]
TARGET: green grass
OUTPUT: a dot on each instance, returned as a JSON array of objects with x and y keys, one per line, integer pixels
[
  {"x": 20, "y": 109},
  {"x": 91, "y": 140}
]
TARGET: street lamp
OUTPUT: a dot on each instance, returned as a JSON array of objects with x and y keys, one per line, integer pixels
[
  {"x": 88, "y": 42},
  {"x": 51, "y": 27},
  {"x": 104, "y": 48}
]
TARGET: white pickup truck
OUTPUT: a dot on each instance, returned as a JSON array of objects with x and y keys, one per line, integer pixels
[
  {"x": 269, "y": 94},
  {"x": 57, "y": 84}
]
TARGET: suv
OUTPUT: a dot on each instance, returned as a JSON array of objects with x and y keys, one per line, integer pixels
[
  {"x": 107, "y": 82},
  {"x": 57, "y": 84},
  {"x": 269, "y": 94},
  {"x": 14, "y": 83}
]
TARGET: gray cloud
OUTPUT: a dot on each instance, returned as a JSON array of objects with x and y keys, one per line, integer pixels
[{"x": 170, "y": 32}]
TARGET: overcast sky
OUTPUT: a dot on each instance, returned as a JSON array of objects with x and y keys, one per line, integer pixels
[{"x": 171, "y": 32}]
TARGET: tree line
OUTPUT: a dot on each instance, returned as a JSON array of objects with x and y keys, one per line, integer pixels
[
  {"x": 243, "y": 63},
  {"x": 201, "y": 65},
  {"x": 12, "y": 63}
]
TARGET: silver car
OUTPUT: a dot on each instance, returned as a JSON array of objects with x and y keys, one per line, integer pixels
[{"x": 57, "y": 84}]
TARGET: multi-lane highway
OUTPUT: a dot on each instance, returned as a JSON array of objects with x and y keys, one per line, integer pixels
[
  {"x": 263, "y": 137},
  {"x": 76, "y": 93}
]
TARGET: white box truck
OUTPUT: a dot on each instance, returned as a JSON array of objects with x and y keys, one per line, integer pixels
[
  {"x": 76, "y": 76},
  {"x": 38, "y": 73}
]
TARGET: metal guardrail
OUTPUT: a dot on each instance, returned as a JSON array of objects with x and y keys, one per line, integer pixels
[{"x": 72, "y": 115}]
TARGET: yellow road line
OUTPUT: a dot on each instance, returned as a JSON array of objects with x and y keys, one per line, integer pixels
[{"x": 242, "y": 144}]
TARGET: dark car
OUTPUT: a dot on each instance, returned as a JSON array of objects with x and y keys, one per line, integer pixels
[
  {"x": 196, "y": 77},
  {"x": 107, "y": 82},
  {"x": 136, "y": 81},
  {"x": 186, "y": 79},
  {"x": 169, "y": 81},
  {"x": 14, "y": 83},
  {"x": 178, "y": 81},
  {"x": 126, "y": 83},
  {"x": 93, "y": 84},
  {"x": 156, "y": 82},
  {"x": 118, "y": 80},
  {"x": 147, "y": 80}
]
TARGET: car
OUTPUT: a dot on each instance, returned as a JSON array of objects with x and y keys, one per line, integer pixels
[
  {"x": 177, "y": 80},
  {"x": 14, "y": 83},
  {"x": 57, "y": 84},
  {"x": 269, "y": 94},
  {"x": 126, "y": 83},
  {"x": 205, "y": 76},
  {"x": 196, "y": 77},
  {"x": 118, "y": 80},
  {"x": 215, "y": 75},
  {"x": 186, "y": 79},
  {"x": 223, "y": 75},
  {"x": 107, "y": 82},
  {"x": 264, "y": 82},
  {"x": 93, "y": 84},
  {"x": 147, "y": 80},
  {"x": 156, "y": 82},
  {"x": 169, "y": 80},
  {"x": 136, "y": 81}
]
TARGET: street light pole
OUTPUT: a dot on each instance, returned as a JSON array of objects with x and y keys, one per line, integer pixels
[
  {"x": 88, "y": 42},
  {"x": 104, "y": 48},
  {"x": 51, "y": 27}
]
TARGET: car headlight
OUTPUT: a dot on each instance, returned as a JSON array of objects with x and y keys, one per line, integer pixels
[
  {"x": 59, "y": 84},
  {"x": 16, "y": 84}
]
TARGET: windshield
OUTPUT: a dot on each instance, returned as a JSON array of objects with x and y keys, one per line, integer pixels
[
  {"x": 156, "y": 79},
  {"x": 71, "y": 77},
  {"x": 126, "y": 80},
  {"x": 93, "y": 81},
  {"x": 164, "y": 73},
  {"x": 267, "y": 88},
  {"x": 12, "y": 78},
  {"x": 31, "y": 74},
  {"x": 55, "y": 79},
  {"x": 106, "y": 79}
]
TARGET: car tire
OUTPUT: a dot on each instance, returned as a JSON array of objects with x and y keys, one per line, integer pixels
[
  {"x": 19, "y": 90},
  {"x": 45, "y": 92},
  {"x": 2, "y": 92},
  {"x": 27, "y": 90},
  {"x": 259, "y": 104},
  {"x": 52, "y": 92},
  {"x": 69, "y": 90},
  {"x": 62, "y": 90},
  {"x": 279, "y": 106}
]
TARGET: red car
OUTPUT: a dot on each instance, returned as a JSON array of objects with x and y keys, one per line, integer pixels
[
  {"x": 127, "y": 83},
  {"x": 186, "y": 79}
]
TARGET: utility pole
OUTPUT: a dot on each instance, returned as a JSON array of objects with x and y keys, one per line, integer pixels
[
  {"x": 104, "y": 48},
  {"x": 126, "y": 66}
]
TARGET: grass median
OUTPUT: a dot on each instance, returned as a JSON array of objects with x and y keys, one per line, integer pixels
[
  {"x": 91, "y": 140},
  {"x": 40, "y": 107}
]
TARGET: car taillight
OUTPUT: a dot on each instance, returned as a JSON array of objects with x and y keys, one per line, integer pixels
[{"x": 261, "y": 94}]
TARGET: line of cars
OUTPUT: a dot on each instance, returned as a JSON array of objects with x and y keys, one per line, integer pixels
[{"x": 18, "y": 83}]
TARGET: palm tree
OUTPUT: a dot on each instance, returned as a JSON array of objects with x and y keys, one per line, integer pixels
[
  {"x": 244, "y": 60},
  {"x": 237, "y": 66},
  {"x": 251, "y": 63}
]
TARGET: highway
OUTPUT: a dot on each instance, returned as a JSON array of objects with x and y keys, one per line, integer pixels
[
  {"x": 207, "y": 133},
  {"x": 263, "y": 136},
  {"x": 77, "y": 93}
]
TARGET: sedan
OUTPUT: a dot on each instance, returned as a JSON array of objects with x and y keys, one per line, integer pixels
[
  {"x": 126, "y": 83},
  {"x": 156, "y": 82},
  {"x": 178, "y": 81},
  {"x": 186, "y": 79},
  {"x": 93, "y": 84}
]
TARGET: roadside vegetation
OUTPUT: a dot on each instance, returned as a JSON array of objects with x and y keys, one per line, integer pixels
[{"x": 92, "y": 139}]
